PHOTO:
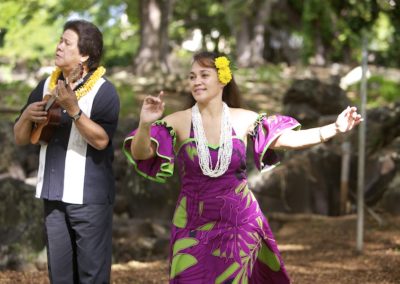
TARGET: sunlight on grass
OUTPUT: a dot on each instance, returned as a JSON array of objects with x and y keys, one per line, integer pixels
[
  {"x": 380, "y": 91},
  {"x": 265, "y": 73},
  {"x": 294, "y": 247}
]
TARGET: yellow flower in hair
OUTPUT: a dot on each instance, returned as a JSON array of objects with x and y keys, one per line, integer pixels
[
  {"x": 224, "y": 75},
  {"x": 224, "y": 72},
  {"x": 221, "y": 62}
]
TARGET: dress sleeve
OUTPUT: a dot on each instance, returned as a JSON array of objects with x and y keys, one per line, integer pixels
[
  {"x": 161, "y": 166},
  {"x": 266, "y": 130}
]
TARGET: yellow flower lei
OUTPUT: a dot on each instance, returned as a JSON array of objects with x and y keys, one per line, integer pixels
[
  {"x": 224, "y": 72},
  {"x": 85, "y": 88}
]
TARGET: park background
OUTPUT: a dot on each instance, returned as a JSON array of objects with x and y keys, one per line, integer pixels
[{"x": 297, "y": 57}]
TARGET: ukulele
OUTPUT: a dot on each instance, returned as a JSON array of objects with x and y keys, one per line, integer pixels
[{"x": 42, "y": 132}]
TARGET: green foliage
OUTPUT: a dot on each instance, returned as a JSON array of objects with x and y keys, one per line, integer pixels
[
  {"x": 29, "y": 37},
  {"x": 206, "y": 15},
  {"x": 114, "y": 18},
  {"x": 380, "y": 91},
  {"x": 29, "y": 30},
  {"x": 119, "y": 43},
  {"x": 127, "y": 99},
  {"x": 14, "y": 94},
  {"x": 391, "y": 57},
  {"x": 337, "y": 27},
  {"x": 382, "y": 39},
  {"x": 265, "y": 73}
]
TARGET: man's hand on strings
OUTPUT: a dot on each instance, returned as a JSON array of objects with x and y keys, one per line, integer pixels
[{"x": 66, "y": 98}]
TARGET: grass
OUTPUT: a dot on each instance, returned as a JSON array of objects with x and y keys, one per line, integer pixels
[
  {"x": 380, "y": 91},
  {"x": 266, "y": 73}
]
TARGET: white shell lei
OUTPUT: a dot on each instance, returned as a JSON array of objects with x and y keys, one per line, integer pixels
[{"x": 225, "y": 143}]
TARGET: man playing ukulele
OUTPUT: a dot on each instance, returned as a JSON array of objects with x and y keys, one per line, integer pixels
[{"x": 75, "y": 178}]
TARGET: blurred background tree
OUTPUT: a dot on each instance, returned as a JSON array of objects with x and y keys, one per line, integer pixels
[
  {"x": 144, "y": 33},
  {"x": 153, "y": 35}
]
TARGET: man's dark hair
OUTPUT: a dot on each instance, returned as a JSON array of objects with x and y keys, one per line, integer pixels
[{"x": 90, "y": 41}]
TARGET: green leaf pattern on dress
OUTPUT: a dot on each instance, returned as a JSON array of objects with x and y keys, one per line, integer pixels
[
  {"x": 191, "y": 152},
  {"x": 180, "y": 215},
  {"x": 227, "y": 273},
  {"x": 269, "y": 258},
  {"x": 184, "y": 243},
  {"x": 180, "y": 263},
  {"x": 258, "y": 249},
  {"x": 207, "y": 227}
]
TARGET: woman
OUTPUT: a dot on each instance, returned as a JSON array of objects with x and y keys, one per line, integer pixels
[
  {"x": 219, "y": 234},
  {"x": 75, "y": 178}
]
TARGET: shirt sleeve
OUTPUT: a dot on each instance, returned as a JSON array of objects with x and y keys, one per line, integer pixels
[
  {"x": 161, "y": 166},
  {"x": 266, "y": 130},
  {"x": 105, "y": 110}
]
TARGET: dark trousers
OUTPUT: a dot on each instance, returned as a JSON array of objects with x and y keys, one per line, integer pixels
[{"x": 78, "y": 242}]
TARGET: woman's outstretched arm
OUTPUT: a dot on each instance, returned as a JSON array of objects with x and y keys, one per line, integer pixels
[{"x": 290, "y": 139}]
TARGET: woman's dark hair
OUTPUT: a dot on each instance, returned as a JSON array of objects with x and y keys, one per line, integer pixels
[
  {"x": 230, "y": 93},
  {"x": 90, "y": 41}
]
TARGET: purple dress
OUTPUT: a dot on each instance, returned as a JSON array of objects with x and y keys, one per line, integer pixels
[{"x": 219, "y": 234}]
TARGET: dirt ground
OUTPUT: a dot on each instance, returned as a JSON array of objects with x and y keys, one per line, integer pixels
[{"x": 315, "y": 249}]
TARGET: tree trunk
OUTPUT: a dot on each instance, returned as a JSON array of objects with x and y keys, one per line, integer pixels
[
  {"x": 319, "y": 57},
  {"x": 257, "y": 43},
  {"x": 166, "y": 13},
  {"x": 153, "y": 50},
  {"x": 243, "y": 50},
  {"x": 249, "y": 32}
]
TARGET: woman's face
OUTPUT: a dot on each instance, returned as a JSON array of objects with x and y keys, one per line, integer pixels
[
  {"x": 67, "y": 52},
  {"x": 204, "y": 83}
]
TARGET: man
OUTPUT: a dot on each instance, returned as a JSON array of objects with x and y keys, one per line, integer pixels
[{"x": 75, "y": 178}]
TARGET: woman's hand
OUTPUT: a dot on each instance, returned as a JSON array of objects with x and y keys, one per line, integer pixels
[
  {"x": 347, "y": 120},
  {"x": 152, "y": 109}
]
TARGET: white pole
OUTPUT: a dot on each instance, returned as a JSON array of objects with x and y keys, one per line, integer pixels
[
  {"x": 344, "y": 176},
  {"x": 361, "y": 149}
]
